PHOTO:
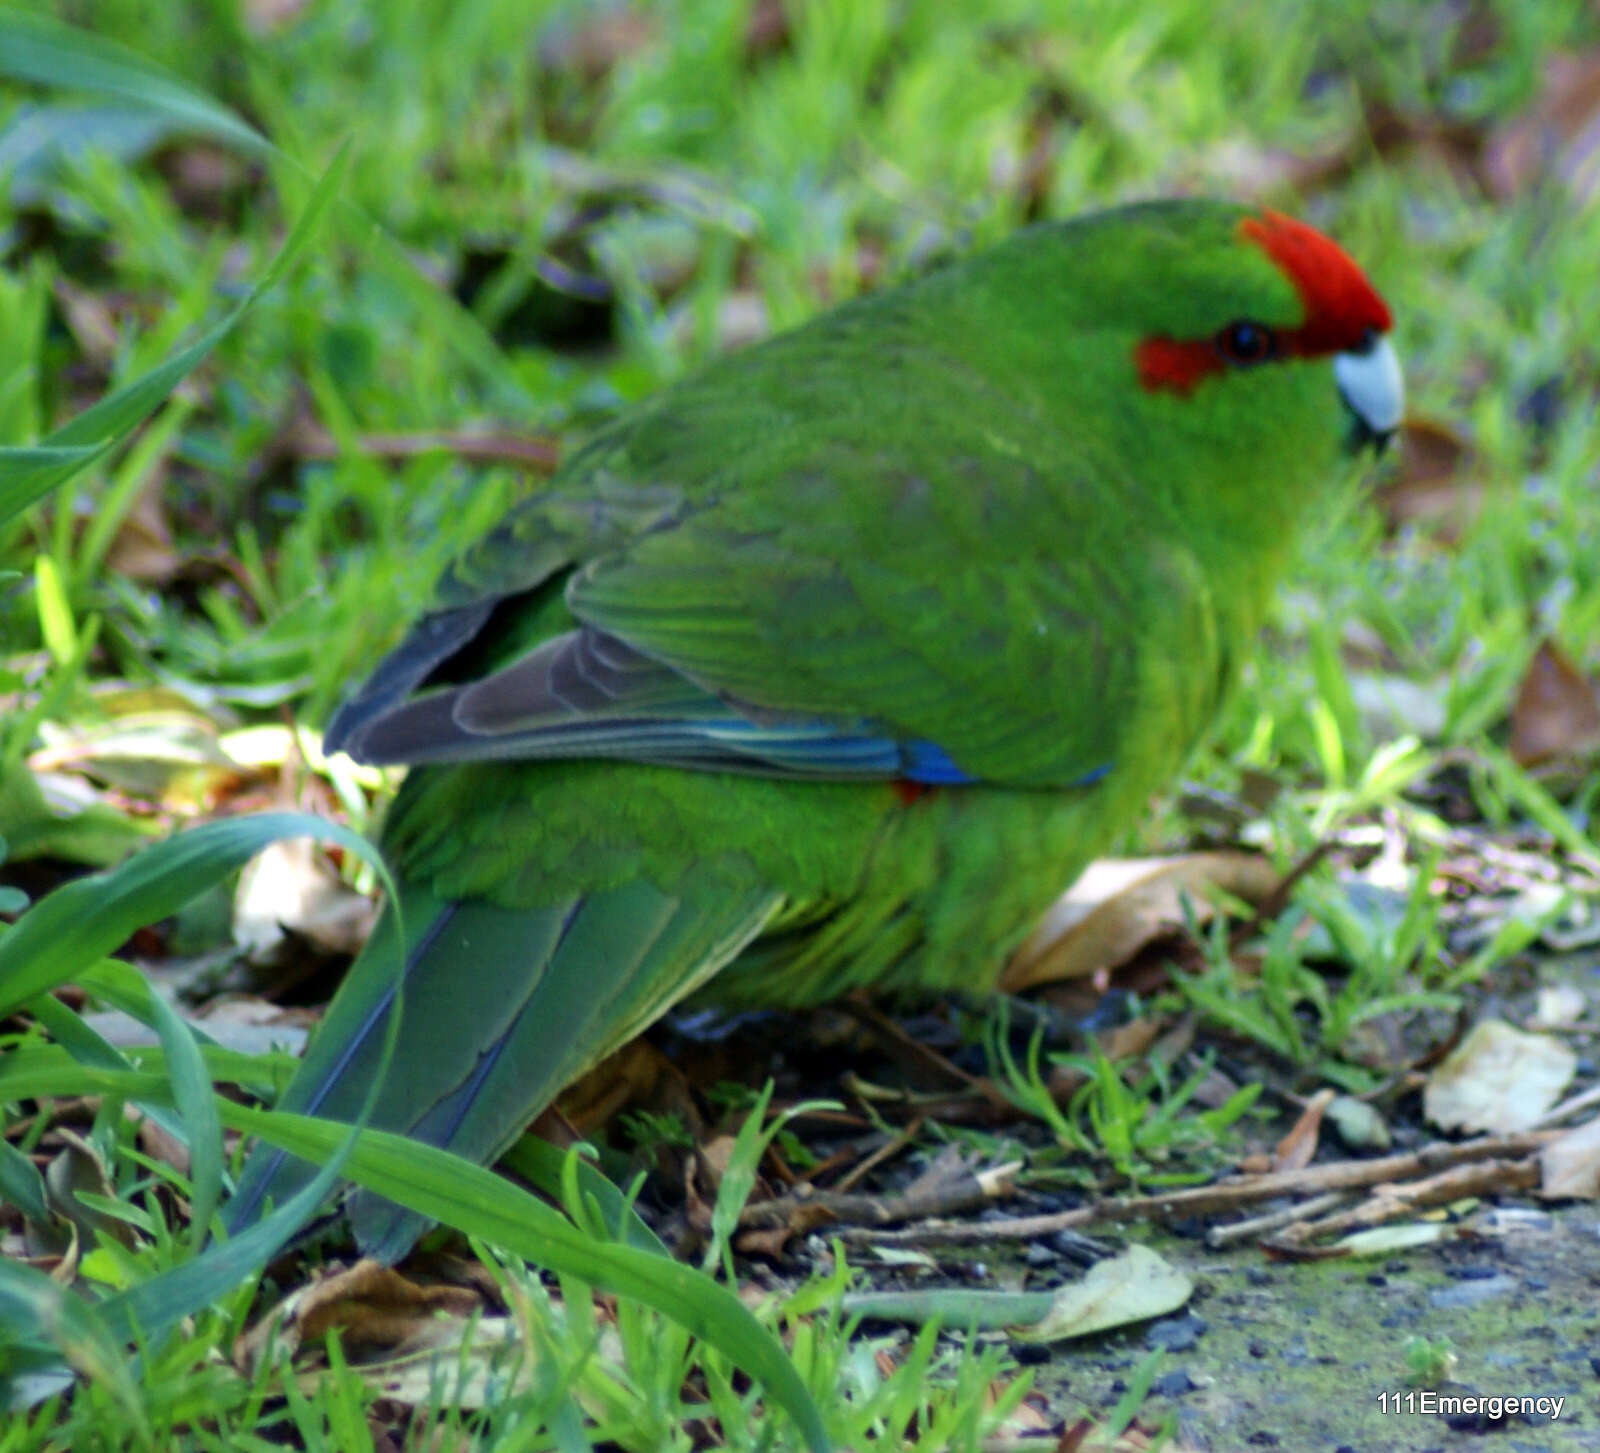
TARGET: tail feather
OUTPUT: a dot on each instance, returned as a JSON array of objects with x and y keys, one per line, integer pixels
[
  {"x": 502, "y": 1008},
  {"x": 628, "y": 955}
]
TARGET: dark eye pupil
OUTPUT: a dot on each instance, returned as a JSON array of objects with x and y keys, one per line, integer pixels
[{"x": 1246, "y": 343}]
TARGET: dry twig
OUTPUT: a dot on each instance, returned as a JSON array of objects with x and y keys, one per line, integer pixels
[{"x": 1229, "y": 1195}]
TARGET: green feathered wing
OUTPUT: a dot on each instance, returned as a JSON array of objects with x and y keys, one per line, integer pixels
[{"x": 826, "y": 667}]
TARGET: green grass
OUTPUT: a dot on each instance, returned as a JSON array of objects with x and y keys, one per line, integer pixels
[{"x": 702, "y": 181}]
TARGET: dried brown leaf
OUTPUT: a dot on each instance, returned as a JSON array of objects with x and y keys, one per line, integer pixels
[
  {"x": 1129, "y": 1040},
  {"x": 766, "y": 28},
  {"x": 142, "y": 547},
  {"x": 637, "y": 1074},
  {"x": 1437, "y": 482},
  {"x": 158, "y": 1143},
  {"x": 1570, "y": 1165},
  {"x": 1557, "y": 138},
  {"x": 1295, "y": 1150},
  {"x": 1119, "y": 905},
  {"x": 79, "y": 1167},
  {"x": 291, "y": 887},
  {"x": 91, "y": 321},
  {"x": 374, "y": 1306},
  {"x": 265, "y": 16},
  {"x": 596, "y": 40},
  {"x": 304, "y": 438},
  {"x": 1555, "y": 713},
  {"x": 1455, "y": 146},
  {"x": 1498, "y": 1079}
]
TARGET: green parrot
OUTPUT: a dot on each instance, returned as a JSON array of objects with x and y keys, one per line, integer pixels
[{"x": 830, "y": 665}]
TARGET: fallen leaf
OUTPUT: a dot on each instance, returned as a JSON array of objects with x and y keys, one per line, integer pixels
[
  {"x": 289, "y": 886},
  {"x": 1392, "y": 706},
  {"x": 91, "y": 321},
  {"x": 769, "y": 1243},
  {"x": 1119, "y": 905},
  {"x": 1559, "y": 1006},
  {"x": 1357, "y": 1124},
  {"x": 1558, "y": 137},
  {"x": 1385, "y": 1240},
  {"x": 79, "y": 1167},
  {"x": 442, "y": 1367},
  {"x": 1570, "y": 1164},
  {"x": 595, "y": 40},
  {"x": 953, "y": 1163},
  {"x": 157, "y": 1142},
  {"x": 1498, "y": 1079},
  {"x": 1555, "y": 713},
  {"x": 1133, "y": 1287},
  {"x": 638, "y": 1074},
  {"x": 266, "y": 16},
  {"x": 142, "y": 548},
  {"x": 1437, "y": 483},
  {"x": 166, "y": 756},
  {"x": 1295, "y": 1150},
  {"x": 374, "y": 1306},
  {"x": 1244, "y": 166}
]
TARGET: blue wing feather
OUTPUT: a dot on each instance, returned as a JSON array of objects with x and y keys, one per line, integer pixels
[{"x": 589, "y": 694}]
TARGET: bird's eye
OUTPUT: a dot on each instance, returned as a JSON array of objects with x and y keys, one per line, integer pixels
[{"x": 1245, "y": 343}]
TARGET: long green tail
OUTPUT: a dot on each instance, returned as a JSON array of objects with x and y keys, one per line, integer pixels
[{"x": 502, "y": 1008}]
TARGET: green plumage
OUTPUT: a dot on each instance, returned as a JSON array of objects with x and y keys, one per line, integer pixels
[{"x": 947, "y": 514}]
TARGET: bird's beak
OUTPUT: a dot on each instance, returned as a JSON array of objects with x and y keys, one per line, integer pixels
[{"x": 1372, "y": 389}]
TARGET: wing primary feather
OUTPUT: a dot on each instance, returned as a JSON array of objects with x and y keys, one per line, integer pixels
[{"x": 432, "y": 641}]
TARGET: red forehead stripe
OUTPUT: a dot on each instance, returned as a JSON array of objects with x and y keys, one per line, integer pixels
[{"x": 1340, "y": 306}]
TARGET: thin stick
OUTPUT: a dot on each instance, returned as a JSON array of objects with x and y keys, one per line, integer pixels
[
  {"x": 1388, "y": 1203},
  {"x": 1224, "y": 1196},
  {"x": 1220, "y": 1236}
]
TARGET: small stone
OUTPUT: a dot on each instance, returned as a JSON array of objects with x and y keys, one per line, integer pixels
[
  {"x": 1174, "y": 1384},
  {"x": 1176, "y": 1334},
  {"x": 1470, "y": 1293}
]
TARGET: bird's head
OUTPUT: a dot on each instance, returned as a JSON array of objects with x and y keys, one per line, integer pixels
[{"x": 1265, "y": 292}]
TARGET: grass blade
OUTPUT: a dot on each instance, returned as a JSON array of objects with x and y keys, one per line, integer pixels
[
  {"x": 30, "y": 472},
  {"x": 45, "y": 52},
  {"x": 480, "y": 1203},
  {"x": 83, "y": 921}
]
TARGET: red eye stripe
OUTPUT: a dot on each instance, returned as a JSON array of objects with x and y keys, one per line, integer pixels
[
  {"x": 1340, "y": 306},
  {"x": 1167, "y": 363}
]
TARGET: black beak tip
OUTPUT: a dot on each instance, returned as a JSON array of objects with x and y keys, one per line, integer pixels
[{"x": 1362, "y": 436}]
